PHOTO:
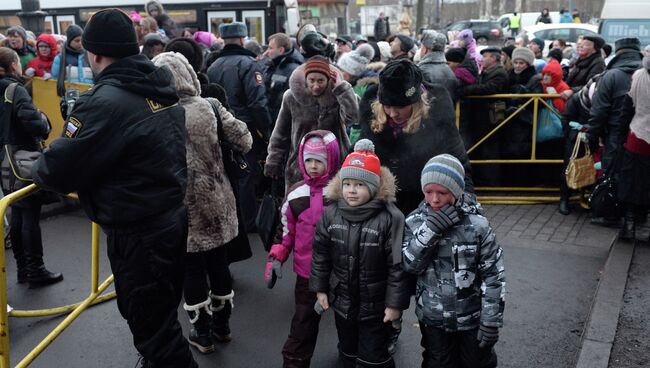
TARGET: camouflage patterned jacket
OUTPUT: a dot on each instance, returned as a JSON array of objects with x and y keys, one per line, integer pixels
[{"x": 461, "y": 279}]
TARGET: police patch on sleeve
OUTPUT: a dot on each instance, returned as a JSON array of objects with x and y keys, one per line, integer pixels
[
  {"x": 258, "y": 78},
  {"x": 73, "y": 127}
]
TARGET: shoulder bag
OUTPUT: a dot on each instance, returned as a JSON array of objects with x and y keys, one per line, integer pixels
[
  {"x": 16, "y": 166},
  {"x": 580, "y": 172}
]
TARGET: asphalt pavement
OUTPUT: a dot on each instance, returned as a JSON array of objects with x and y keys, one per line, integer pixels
[{"x": 553, "y": 265}]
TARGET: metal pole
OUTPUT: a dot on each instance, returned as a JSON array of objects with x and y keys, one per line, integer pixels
[{"x": 31, "y": 16}]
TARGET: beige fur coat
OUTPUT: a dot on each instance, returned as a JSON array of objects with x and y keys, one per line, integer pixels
[{"x": 210, "y": 202}]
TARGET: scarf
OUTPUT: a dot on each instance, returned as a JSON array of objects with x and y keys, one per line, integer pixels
[
  {"x": 395, "y": 127},
  {"x": 372, "y": 208}
]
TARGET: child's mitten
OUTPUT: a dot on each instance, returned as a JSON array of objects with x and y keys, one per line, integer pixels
[
  {"x": 272, "y": 273},
  {"x": 487, "y": 336},
  {"x": 442, "y": 220}
]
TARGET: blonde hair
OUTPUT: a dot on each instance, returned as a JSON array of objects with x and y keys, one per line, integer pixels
[{"x": 420, "y": 111}]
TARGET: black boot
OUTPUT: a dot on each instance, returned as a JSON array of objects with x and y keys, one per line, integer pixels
[
  {"x": 627, "y": 231},
  {"x": 564, "y": 207},
  {"x": 39, "y": 276},
  {"x": 221, "y": 309},
  {"x": 200, "y": 317}
]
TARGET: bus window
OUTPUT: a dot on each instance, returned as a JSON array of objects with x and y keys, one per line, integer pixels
[{"x": 614, "y": 29}]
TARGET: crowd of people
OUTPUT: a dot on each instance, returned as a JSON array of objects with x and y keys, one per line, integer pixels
[{"x": 378, "y": 186}]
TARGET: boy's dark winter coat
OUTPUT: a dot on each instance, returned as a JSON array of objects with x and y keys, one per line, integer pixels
[{"x": 353, "y": 261}]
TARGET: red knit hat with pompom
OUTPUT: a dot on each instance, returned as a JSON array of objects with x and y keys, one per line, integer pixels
[{"x": 363, "y": 164}]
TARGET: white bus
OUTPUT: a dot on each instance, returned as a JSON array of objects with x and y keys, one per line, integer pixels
[
  {"x": 625, "y": 18},
  {"x": 263, "y": 17}
]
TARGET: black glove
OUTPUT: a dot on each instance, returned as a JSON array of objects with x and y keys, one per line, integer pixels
[
  {"x": 442, "y": 220},
  {"x": 487, "y": 336}
]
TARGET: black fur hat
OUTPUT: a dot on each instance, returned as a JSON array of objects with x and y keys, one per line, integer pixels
[{"x": 400, "y": 83}]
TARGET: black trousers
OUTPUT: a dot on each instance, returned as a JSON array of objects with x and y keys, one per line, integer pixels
[
  {"x": 364, "y": 343},
  {"x": 26, "y": 239},
  {"x": 454, "y": 349},
  {"x": 148, "y": 264},
  {"x": 213, "y": 264},
  {"x": 300, "y": 345}
]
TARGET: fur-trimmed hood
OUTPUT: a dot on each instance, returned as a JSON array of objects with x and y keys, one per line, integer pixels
[
  {"x": 386, "y": 192},
  {"x": 185, "y": 79},
  {"x": 298, "y": 86}
]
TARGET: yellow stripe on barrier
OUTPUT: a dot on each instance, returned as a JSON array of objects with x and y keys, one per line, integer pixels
[{"x": 75, "y": 310}]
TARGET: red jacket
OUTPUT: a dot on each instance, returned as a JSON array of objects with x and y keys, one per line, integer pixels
[
  {"x": 43, "y": 64},
  {"x": 554, "y": 69}
]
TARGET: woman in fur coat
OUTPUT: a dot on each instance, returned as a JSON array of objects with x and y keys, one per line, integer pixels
[
  {"x": 408, "y": 128},
  {"x": 318, "y": 99},
  {"x": 210, "y": 206}
]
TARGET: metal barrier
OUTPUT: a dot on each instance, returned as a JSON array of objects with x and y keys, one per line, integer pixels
[
  {"x": 535, "y": 99},
  {"x": 75, "y": 310}
]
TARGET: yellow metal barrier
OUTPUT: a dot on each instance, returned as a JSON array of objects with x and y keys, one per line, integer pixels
[
  {"x": 45, "y": 98},
  {"x": 535, "y": 99},
  {"x": 75, "y": 310}
]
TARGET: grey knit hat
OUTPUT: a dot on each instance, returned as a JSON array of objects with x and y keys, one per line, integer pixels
[
  {"x": 355, "y": 62},
  {"x": 447, "y": 171},
  {"x": 525, "y": 54}
]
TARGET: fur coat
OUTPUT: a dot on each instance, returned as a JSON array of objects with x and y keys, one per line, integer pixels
[
  {"x": 211, "y": 208},
  {"x": 301, "y": 113}
]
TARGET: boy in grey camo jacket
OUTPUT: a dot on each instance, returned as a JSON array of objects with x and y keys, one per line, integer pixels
[{"x": 461, "y": 284}]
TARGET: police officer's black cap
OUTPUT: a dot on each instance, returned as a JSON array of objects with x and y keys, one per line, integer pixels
[
  {"x": 344, "y": 39},
  {"x": 631, "y": 43},
  {"x": 598, "y": 41},
  {"x": 110, "y": 32}
]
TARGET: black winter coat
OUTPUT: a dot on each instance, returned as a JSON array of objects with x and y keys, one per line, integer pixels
[
  {"x": 490, "y": 81},
  {"x": 406, "y": 154},
  {"x": 27, "y": 127},
  {"x": 583, "y": 70},
  {"x": 352, "y": 260},
  {"x": 239, "y": 73},
  {"x": 123, "y": 150},
  {"x": 276, "y": 79},
  {"x": 607, "y": 103}
]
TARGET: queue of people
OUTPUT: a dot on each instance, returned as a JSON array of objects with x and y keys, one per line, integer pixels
[{"x": 378, "y": 185}]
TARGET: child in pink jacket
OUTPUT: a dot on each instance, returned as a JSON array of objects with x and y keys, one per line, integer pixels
[{"x": 303, "y": 206}]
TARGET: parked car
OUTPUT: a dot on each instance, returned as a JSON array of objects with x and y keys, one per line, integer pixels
[
  {"x": 485, "y": 31},
  {"x": 567, "y": 31}
]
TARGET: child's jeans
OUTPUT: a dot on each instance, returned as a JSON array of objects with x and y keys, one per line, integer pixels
[
  {"x": 299, "y": 347},
  {"x": 364, "y": 343},
  {"x": 453, "y": 349}
]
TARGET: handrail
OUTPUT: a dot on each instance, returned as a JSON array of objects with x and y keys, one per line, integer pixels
[{"x": 75, "y": 310}]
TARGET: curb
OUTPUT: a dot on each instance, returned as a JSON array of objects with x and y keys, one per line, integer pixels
[{"x": 599, "y": 333}]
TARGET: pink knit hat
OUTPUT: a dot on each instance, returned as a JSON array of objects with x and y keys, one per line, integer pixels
[
  {"x": 205, "y": 38},
  {"x": 315, "y": 148}
]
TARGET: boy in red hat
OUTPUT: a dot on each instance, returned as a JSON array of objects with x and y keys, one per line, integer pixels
[{"x": 356, "y": 259}]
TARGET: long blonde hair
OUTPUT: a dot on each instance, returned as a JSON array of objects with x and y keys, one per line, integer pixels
[{"x": 420, "y": 111}]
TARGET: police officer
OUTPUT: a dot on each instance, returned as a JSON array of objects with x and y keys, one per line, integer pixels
[
  {"x": 123, "y": 152},
  {"x": 238, "y": 72}
]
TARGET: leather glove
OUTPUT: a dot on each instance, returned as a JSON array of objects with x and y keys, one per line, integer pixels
[
  {"x": 272, "y": 273},
  {"x": 487, "y": 336},
  {"x": 442, "y": 220}
]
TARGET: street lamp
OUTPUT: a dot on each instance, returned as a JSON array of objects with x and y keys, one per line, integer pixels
[{"x": 31, "y": 16}]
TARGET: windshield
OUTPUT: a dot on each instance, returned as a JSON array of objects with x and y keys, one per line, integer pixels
[{"x": 614, "y": 29}]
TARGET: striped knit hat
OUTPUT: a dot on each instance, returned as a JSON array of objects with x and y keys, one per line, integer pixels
[
  {"x": 363, "y": 164},
  {"x": 447, "y": 171}
]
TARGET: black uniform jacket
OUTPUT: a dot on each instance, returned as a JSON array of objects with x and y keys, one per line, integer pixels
[{"x": 123, "y": 148}]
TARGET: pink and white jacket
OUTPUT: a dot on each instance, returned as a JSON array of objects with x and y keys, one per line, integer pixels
[{"x": 303, "y": 207}]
